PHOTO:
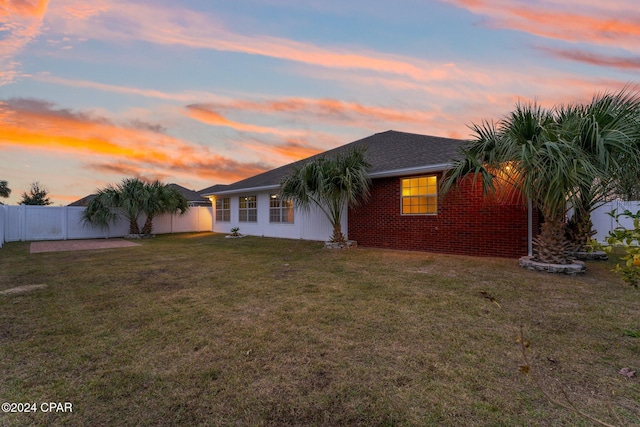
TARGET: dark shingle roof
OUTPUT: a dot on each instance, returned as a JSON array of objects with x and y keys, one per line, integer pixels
[
  {"x": 193, "y": 198},
  {"x": 190, "y": 195},
  {"x": 389, "y": 153},
  {"x": 213, "y": 189},
  {"x": 84, "y": 202}
]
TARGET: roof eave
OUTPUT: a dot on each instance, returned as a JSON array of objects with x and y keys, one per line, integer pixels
[
  {"x": 244, "y": 190},
  {"x": 381, "y": 174},
  {"x": 411, "y": 171}
]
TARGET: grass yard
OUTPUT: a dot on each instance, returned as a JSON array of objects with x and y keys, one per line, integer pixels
[{"x": 199, "y": 330}]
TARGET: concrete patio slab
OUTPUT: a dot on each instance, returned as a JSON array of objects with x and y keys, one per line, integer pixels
[{"x": 78, "y": 245}]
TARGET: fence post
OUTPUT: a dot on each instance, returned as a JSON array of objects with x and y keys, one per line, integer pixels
[
  {"x": 22, "y": 222},
  {"x": 65, "y": 223},
  {"x": 3, "y": 221}
]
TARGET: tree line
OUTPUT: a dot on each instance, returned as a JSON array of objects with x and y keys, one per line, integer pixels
[{"x": 37, "y": 195}]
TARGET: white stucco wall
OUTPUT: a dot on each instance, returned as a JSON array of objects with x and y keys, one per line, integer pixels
[{"x": 312, "y": 225}]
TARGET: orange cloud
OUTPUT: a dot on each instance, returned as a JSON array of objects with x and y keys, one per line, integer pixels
[
  {"x": 24, "y": 8},
  {"x": 291, "y": 149},
  {"x": 611, "y": 23},
  {"x": 20, "y": 21},
  {"x": 207, "y": 115},
  {"x": 140, "y": 147}
]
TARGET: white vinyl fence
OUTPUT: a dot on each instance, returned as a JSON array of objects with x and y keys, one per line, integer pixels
[
  {"x": 28, "y": 223},
  {"x": 603, "y": 223}
]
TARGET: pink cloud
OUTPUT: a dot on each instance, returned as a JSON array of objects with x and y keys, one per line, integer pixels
[
  {"x": 611, "y": 23},
  {"x": 621, "y": 62},
  {"x": 179, "y": 26},
  {"x": 20, "y": 21}
]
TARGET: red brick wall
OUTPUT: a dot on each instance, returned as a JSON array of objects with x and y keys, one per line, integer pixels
[{"x": 467, "y": 223}]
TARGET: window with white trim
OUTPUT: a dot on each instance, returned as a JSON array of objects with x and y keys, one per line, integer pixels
[
  {"x": 280, "y": 210},
  {"x": 419, "y": 195},
  {"x": 248, "y": 209},
  {"x": 223, "y": 209}
]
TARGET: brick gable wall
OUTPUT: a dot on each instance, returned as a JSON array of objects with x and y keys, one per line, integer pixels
[{"x": 467, "y": 223}]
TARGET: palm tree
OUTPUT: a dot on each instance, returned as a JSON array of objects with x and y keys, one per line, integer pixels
[
  {"x": 159, "y": 199},
  {"x": 126, "y": 197},
  {"x": 131, "y": 198},
  {"x": 5, "y": 191},
  {"x": 99, "y": 212},
  {"x": 607, "y": 130},
  {"x": 331, "y": 184},
  {"x": 557, "y": 158}
]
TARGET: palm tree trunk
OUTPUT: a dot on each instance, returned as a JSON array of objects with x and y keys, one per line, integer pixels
[
  {"x": 147, "y": 228},
  {"x": 579, "y": 231},
  {"x": 551, "y": 244},
  {"x": 133, "y": 226},
  {"x": 337, "y": 235}
]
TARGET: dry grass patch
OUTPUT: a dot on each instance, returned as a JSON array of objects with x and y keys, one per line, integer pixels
[{"x": 196, "y": 329}]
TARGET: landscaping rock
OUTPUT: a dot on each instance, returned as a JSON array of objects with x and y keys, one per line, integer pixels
[
  {"x": 590, "y": 256},
  {"x": 576, "y": 267},
  {"x": 338, "y": 245}
]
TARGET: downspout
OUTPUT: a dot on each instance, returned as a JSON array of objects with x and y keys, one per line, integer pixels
[{"x": 529, "y": 227}]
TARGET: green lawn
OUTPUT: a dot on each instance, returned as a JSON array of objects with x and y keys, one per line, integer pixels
[{"x": 196, "y": 329}]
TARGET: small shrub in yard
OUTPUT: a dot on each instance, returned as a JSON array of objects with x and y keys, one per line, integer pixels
[{"x": 630, "y": 238}]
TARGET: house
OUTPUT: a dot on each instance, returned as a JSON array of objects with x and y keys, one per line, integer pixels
[
  {"x": 404, "y": 211},
  {"x": 193, "y": 198}
]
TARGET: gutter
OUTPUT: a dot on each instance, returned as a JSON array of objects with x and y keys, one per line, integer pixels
[
  {"x": 244, "y": 190},
  {"x": 411, "y": 171}
]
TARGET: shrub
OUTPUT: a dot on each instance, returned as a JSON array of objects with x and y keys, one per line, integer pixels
[{"x": 629, "y": 238}]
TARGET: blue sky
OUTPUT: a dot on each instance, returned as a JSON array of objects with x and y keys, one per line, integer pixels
[{"x": 207, "y": 92}]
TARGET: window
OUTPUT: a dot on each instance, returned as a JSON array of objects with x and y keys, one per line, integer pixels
[
  {"x": 420, "y": 196},
  {"x": 280, "y": 210},
  {"x": 248, "y": 209},
  {"x": 223, "y": 210}
]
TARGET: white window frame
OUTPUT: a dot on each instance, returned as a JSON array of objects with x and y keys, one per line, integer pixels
[
  {"x": 250, "y": 210},
  {"x": 223, "y": 214},
  {"x": 415, "y": 194},
  {"x": 283, "y": 210}
]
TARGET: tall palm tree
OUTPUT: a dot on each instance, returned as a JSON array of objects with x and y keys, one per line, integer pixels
[
  {"x": 131, "y": 198},
  {"x": 5, "y": 191},
  {"x": 607, "y": 130},
  {"x": 557, "y": 158},
  {"x": 158, "y": 199},
  {"x": 330, "y": 183},
  {"x": 527, "y": 153},
  {"x": 126, "y": 197}
]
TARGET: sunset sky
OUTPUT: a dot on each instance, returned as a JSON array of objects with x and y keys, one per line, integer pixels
[{"x": 209, "y": 92}]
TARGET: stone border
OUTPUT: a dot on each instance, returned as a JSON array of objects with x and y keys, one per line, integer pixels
[
  {"x": 576, "y": 267},
  {"x": 349, "y": 244},
  {"x": 239, "y": 236},
  {"x": 589, "y": 256}
]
